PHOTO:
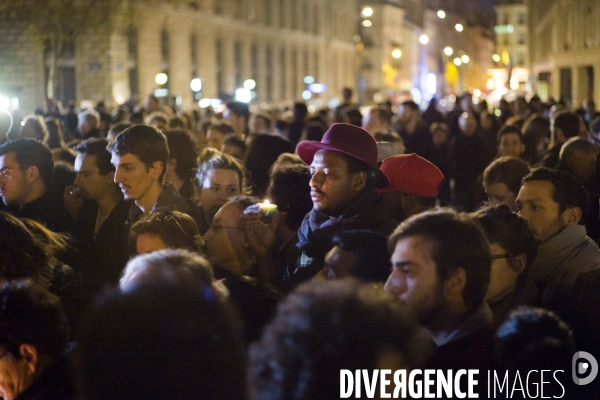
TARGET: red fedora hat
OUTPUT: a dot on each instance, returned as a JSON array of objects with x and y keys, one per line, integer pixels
[{"x": 347, "y": 139}]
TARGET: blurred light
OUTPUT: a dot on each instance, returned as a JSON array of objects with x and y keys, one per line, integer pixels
[
  {"x": 249, "y": 84},
  {"x": 121, "y": 91},
  {"x": 264, "y": 106},
  {"x": 317, "y": 88},
  {"x": 196, "y": 84},
  {"x": 367, "y": 12},
  {"x": 443, "y": 103},
  {"x": 423, "y": 39},
  {"x": 441, "y": 14},
  {"x": 243, "y": 95},
  {"x": 397, "y": 53},
  {"x": 503, "y": 90},
  {"x": 457, "y": 61},
  {"x": 458, "y": 27},
  {"x": 356, "y": 38},
  {"x": 505, "y": 57},
  {"x": 306, "y": 95},
  {"x": 4, "y": 102},
  {"x": 452, "y": 98},
  {"x": 319, "y": 102},
  {"x": 377, "y": 97},
  {"x": 416, "y": 95},
  {"x": 367, "y": 23},
  {"x": 161, "y": 92},
  {"x": 496, "y": 57},
  {"x": 448, "y": 50},
  {"x": 514, "y": 84},
  {"x": 312, "y": 108},
  {"x": 465, "y": 59},
  {"x": 476, "y": 92},
  {"x": 14, "y": 103},
  {"x": 309, "y": 79},
  {"x": 497, "y": 112},
  {"x": 489, "y": 85},
  {"x": 431, "y": 83},
  {"x": 178, "y": 100},
  {"x": 483, "y": 96},
  {"x": 161, "y": 78}
]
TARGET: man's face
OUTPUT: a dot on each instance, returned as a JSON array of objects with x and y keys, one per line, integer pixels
[
  {"x": 225, "y": 237},
  {"x": 148, "y": 243},
  {"x": 215, "y": 139},
  {"x": 535, "y": 204},
  {"x": 414, "y": 279},
  {"x": 510, "y": 145},
  {"x": 331, "y": 183},
  {"x": 218, "y": 186},
  {"x": 338, "y": 263},
  {"x": 14, "y": 186},
  {"x": 89, "y": 181},
  {"x": 406, "y": 114},
  {"x": 236, "y": 121},
  {"x": 467, "y": 124},
  {"x": 498, "y": 193},
  {"x": 15, "y": 375},
  {"x": 133, "y": 176}
]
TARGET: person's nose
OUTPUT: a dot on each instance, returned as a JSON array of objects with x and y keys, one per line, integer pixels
[
  {"x": 118, "y": 176},
  {"x": 317, "y": 180},
  {"x": 395, "y": 284},
  {"x": 208, "y": 235},
  {"x": 77, "y": 179}
]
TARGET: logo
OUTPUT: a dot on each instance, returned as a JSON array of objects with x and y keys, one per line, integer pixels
[{"x": 581, "y": 368}]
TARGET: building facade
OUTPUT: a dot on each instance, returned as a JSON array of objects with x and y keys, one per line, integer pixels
[
  {"x": 565, "y": 49},
  {"x": 275, "y": 43}
]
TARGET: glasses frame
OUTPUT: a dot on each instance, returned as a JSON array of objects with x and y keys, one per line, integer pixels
[
  {"x": 166, "y": 216},
  {"x": 499, "y": 256}
]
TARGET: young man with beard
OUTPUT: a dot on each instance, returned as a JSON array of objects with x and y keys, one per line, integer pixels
[
  {"x": 101, "y": 214},
  {"x": 441, "y": 266},
  {"x": 345, "y": 177},
  {"x": 554, "y": 204}
]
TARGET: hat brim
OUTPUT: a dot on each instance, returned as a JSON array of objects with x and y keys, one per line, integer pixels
[{"x": 306, "y": 151}]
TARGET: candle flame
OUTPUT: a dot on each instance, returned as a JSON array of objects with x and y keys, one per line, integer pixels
[{"x": 267, "y": 201}]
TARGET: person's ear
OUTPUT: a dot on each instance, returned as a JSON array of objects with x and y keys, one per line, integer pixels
[
  {"x": 572, "y": 216},
  {"x": 156, "y": 169},
  {"x": 455, "y": 285},
  {"x": 30, "y": 354},
  {"x": 359, "y": 181},
  {"x": 32, "y": 174},
  {"x": 519, "y": 262}
]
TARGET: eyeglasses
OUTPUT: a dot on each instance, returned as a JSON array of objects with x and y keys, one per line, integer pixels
[
  {"x": 217, "y": 228},
  {"x": 499, "y": 256},
  {"x": 167, "y": 216}
]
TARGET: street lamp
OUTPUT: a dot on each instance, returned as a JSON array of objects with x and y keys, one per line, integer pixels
[
  {"x": 464, "y": 59},
  {"x": 367, "y": 23},
  {"x": 459, "y": 27},
  {"x": 249, "y": 84},
  {"x": 196, "y": 85},
  {"x": 441, "y": 14},
  {"x": 457, "y": 61},
  {"x": 424, "y": 39},
  {"x": 496, "y": 58},
  {"x": 396, "y": 53},
  {"x": 161, "y": 78},
  {"x": 448, "y": 50},
  {"x": 367, "y": 12}
]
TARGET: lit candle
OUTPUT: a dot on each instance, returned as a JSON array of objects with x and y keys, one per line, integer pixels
[{"x": 267, "y": 208}]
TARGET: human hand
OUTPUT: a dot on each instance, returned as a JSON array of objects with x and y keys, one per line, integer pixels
[{"x": 73, "y": 200}]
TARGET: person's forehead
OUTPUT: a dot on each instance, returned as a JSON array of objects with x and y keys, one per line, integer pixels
[
  {"x": 128, "y": 158},
  {"x": 9, "y": 160},
  {"x": 510, "y": 136},
  {"x": 413, "y": 248},
  {"x": 328, "y": 157},
  {"x": 536, "y": 190},
  {"x": 87, "y": 162},
  {"x": 222, "y": 176},
  {"x": 498, "y": 187}
]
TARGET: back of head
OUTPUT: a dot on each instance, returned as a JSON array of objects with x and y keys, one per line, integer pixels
[
  {"x": 179, "y": 341},
  {"x": 32, "y": 315},
  {"x": 574, "y": 148},
  {"x": 371, "y": 256},
  {"x": 411, "y": 104},
  {"x": 172, "y": 266},
  {"x": 566, "y": 192},
  {"x": 118, "y": 128},
  {"x": 33, "y": 127},
  {"x": 321, "y": 328},
  {"x": 290, "y": 191},
  {"x": 534, "y": 338},
  {"x": 238, "y": 108},
  {"x": 568, "y": 123},
  {"x": 457, "y": 242},
  {"x": 143, "y": 141},
  {"x": 507, "y": 170},
  {"x": 261, "y": 154},
  {"x": 183, "y": 148},
  {"x": 29, "y": 153}
]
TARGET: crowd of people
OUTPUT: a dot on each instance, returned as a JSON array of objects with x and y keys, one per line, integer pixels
[{"x": 152, "y": 252}]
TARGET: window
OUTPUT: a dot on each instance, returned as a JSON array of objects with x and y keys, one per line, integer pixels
[{"x": 521, "y": 19}]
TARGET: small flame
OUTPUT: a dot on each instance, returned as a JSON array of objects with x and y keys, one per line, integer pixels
[{"x": 267, "y": 201}]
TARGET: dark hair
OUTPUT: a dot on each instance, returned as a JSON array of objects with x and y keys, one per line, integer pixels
[
  {"x": 507, "y": 170},
  {"x": 184, "y": 149},
  {"x": 97, "y": 147},
  {"x": 300, "y": 111},
  {"x": 162, "y": 341},
  {"x": 176, "y": 122},
  {"x": 145, "y": 142},
  {"x": 55, "y": 129},
  {"x": 410, "y": 104},
  {"x": 31, "y": 314},
  {"x": 533, "y": 338},
  {"x": 238, "y": 108},
  {"x": 223, "y": 161},
  {"x": 355, "y": 165},
  {"x": 457, "y": 242},
  {"x": 509, "y": 231},
  {"x": 535, "y": 130},
  {"x": 383, "y": 114},
  {"x": 371, "y": 256},
  {"x": 566, "y": 191},
  {"x": 568, "y": 123},
  {"x": 38, "y": 125},
  {"x": 508, "y": 129},
  {"x": 323, "y": 327},
  {"x": 235, "y": 141},
  {"x": 31, "y": 153},
  {"x": 223, "y": 127},
  {"x": 118, "y": 128},
  {"x": 243, "y": 202},
  {"x": 352, "y": 115},
  {"x": 28, "y": 252},
  {"x": 291, "y": 192},
  {"x": 260, "y": 156},
  {"x": 176, "y": 229}
]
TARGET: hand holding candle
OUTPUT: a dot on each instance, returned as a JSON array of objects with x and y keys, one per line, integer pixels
[{"x": 267, "y": 208}]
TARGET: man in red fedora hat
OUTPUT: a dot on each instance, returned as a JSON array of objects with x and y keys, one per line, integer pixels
[
  {"x": 413, "y": 187},
  {"x": 345, "y": 179}
]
